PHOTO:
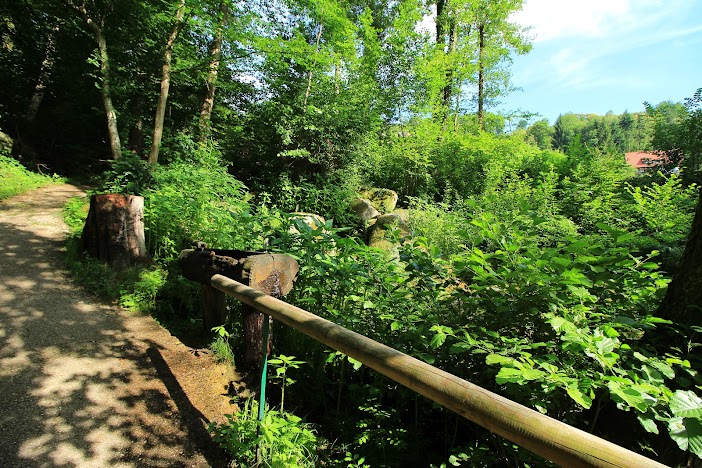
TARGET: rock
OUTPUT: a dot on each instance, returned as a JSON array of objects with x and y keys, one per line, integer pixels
[
  {"x": 404, "y": 214},
  {"x": 383, "y": 200},
  {"x": 377, "y": 233},
  {"x": 364, "y": 210},
  {"x": 313, "y": 221},
  {"x": 5, "y": 144},
  {"x": 392, "y": 219}
]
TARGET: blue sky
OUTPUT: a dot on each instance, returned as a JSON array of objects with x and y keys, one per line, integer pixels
[{"x": 592, "y": 56}]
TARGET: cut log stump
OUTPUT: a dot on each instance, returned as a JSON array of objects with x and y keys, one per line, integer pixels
[{"x": 114, "y": 230}]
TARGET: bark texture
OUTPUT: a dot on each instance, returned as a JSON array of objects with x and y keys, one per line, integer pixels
[
  {"x": 481, "y": 77},
  {"x": 96, "y": 27},
  {"x": 114, "y": 230},
  {"x": 683, "y": 300},
  {"x": 165, "y": 84},
  {"x": 272, "y": 274},
  {"x": 47, "y": 66},
  {"x": 215, "y": 58}
]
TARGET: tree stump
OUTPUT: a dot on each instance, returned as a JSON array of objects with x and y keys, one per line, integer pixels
[{"x": 114, "y": 230}]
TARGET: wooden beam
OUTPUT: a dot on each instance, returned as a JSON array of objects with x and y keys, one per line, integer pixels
[{"x": 545, "y": 436}]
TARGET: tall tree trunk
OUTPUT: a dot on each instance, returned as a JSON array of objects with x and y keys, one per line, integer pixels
[
  {"x": 136, "y": 136},
  {"x": 113, "y": 132},
  {"x": 440, "y": 113},
  {"x": 683, "y": 300},
  {"x": 448, "y": 86},
  {"x": 165, "y": 84},
  {"x": 44, "y": 74},
  {"x": 481, "y": 77},
  {"x": 215, "y": 58},
  {"x": 314, "y": 64},
  {"x": 105, "y": 88}
]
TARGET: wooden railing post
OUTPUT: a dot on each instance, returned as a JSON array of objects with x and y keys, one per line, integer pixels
[{"x": 272, "y": 274}]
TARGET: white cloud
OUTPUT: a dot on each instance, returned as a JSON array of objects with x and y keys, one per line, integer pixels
[
  {"x": 579, "y": 39},
  {"x": 555, "y": 19}
]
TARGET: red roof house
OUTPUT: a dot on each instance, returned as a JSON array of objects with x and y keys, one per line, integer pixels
[{"x": 642, "y": 161}]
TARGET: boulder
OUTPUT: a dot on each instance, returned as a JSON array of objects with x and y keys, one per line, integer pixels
[
  {"x": 313, "y": 221},
  {"x": 364, "y": 210},
  {"x": 5, "y": 144},
  {"x": 383, "y": 200},
  {"x": 377, "y": 233}
]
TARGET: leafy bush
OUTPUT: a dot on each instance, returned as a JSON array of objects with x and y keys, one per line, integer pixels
[
  {"x": 16, "y": 179},
  {"x": 194, "y": 199},
  {"x": 128, "y": 175},
  {"x": 282, "y": 439}
]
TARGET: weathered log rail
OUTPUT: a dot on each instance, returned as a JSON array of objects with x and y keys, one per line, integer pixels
[{"x": 545, "y": 436}]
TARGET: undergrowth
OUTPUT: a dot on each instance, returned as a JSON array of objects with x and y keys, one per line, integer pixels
[{"x": 16, "y": 179}]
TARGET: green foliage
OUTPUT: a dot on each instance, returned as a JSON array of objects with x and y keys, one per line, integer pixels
[
  {"x": 194, "y": 199},
  {"x": 16, "y": 179},
  {"x": 282, "y": 364},
  {"x": 128, "y": 175},
  {"x": 283, "y": 439},
  {"x": 329, "y": 196},
  {"x": 676, "y": 134},
  {"x": 74, "y": 213},
  {"x": 141, "y": 295},
  {"x": 221, "y": 347}
]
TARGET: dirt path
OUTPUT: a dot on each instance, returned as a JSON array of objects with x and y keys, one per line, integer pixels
[{"x": 83, "y": 383}]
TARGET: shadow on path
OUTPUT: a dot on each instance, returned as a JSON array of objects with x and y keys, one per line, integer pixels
[{"x": 81, "y": 384}]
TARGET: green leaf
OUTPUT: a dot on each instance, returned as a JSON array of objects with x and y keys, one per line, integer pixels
[
  {"x": 628, "y": 396},
  {"x": 395, "y": 326},
  {"x": 356, "y": 364},
  {"x": 648, "y": 424},
  {"x": 579, "y": 397},
  {"x": 533, "y": 374},
  {"x": 438, "y": 340},
  {"x": 663, "y": 368},
  {"x": 687, "y": 433},
  {"x": 493, "y": 359},
  {"x": 508, "y": 374},
  {"x": 684, "y": 403},
  {"x": 368, "y": 305},
  {"x": 560, "y": 325}
]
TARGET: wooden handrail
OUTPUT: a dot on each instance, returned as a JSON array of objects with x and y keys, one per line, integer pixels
[{"x": 545, "y": 436}]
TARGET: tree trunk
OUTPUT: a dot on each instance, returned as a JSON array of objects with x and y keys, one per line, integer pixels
[
  {"x": 114, "y": 230},
  {"x": 683, "y": 300},
  {"x": 165, "y": 85},
  {"x": 314, "y": 64},
  {"x": 481, "y": 77},
  {"x": 272, "y": 275},
  {"x": 113, "y": 133},
  {"x": 136, "y": 136},
  {"x": 448, "y": 86},
  {"x": 44, "y": 74},
  {"x": 215, "y": 58}
]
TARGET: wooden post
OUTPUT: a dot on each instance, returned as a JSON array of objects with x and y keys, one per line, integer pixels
[
  {"x": 214, "y": 309},
  {"x": 272, "y": 274}
]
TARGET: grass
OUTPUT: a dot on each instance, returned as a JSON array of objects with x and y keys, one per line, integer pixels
[{"x": 16, "y": 179}]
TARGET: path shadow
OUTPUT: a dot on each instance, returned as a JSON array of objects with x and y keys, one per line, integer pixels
[{"x": 77, "y": 388}]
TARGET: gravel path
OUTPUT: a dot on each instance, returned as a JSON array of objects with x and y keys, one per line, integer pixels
[{"x": 83, "y": 383}]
